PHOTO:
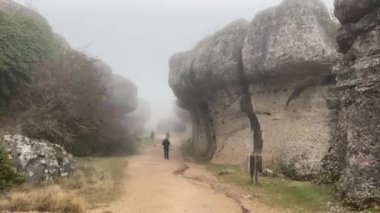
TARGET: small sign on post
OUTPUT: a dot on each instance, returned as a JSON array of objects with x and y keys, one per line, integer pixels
[{"x": 255, "y": 166}]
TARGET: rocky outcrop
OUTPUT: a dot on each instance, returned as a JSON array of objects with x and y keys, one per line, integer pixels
[
  {"x": 286, "y": 54},
  {"x": 290, "y": 41},
  {"x": 38, "y": 161},
  {"x": 122, "y": 97},
  {"x": 182, "y": 114},
  {"x": 354, "y": 160},
  {"x": 202, "y": 76},
  {"x": 351, "y": 11},
  {"x": 26, "y": 40}
]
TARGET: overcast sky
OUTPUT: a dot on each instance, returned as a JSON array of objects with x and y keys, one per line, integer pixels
[{"x": 137, "y": 37}]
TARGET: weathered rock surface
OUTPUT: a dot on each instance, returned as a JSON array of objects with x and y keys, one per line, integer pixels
[
  {"x": 196, "y": 75},
  {"x": 287, "y": 54},
  {"x": 212, "y": 64},
  {"x": 354, "y": 161},
  {"x": 351, "y": 11},
  {"x": 38, "y": 161},
  {"x": 122, "y": 97},
  {"x": 268, "y": 173},
  {"x": 289, "y": 41}
]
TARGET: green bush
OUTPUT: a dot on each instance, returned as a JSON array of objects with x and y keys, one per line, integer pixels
[
  {"x": 25, "y": 39},
  {"x": 8, "y": 177}
]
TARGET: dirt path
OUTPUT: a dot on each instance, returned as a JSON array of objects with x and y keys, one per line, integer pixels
[{"x": 151, "y": 187}]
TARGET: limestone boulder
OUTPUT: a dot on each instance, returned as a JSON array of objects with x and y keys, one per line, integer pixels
[
  {"x": 38, "y": 161},
  {"x": 213, "y": 63},
  {"x": 289, "y": 41}
]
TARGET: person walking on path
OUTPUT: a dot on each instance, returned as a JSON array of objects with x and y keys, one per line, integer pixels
[
  {"x": 166, "y": 145},
  {"x": 152, "y": 136}
]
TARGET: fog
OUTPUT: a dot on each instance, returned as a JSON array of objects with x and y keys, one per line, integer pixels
[{"x": 137, "y": 37}]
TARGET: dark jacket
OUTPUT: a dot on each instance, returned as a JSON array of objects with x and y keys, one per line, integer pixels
[{"x": 166, "y": 144}]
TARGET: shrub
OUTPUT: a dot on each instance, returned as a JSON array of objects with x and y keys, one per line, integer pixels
[
  {"x": 66, "y": 103},
  {"x": 61, "y": 104},
  {"x": 8, "y": 176}
]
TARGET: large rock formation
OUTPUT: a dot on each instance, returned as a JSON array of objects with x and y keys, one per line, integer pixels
[
  {"x": 38, "y": 161},
  {"x": 26, "y": 40},
  {"x": 354, "y": 160},
  {"x": 202, "y": 77},
  {"x": 182, "y": 114},
  {"x": 286, "y": 53},
  {"x": 122, "y": 97}
]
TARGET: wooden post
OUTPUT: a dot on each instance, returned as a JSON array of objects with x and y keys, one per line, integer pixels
[{"x": 255, "y": 166}]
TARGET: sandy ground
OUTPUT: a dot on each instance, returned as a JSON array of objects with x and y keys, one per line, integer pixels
[{"x": 151, "y": 187}]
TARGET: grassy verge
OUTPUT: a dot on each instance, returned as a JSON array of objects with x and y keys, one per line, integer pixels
[
  {"x": 296, "y": 196},
  {"x": 293, "y": 195},
  {"x": 96, "y": 182},
  {"x": 277, "y": 192}
]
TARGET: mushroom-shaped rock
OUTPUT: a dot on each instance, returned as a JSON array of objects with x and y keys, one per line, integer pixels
[
  {"x": 290, "y": 40},
  {"x": 122, "y": 95},
  {"x": 195, "y": 75},
  {"x": 286, "y": 54},
  {"x": 213, "y": 63}
]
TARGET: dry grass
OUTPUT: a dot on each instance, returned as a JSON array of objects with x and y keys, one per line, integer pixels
[
  {"x": 96, "y": 182},
  {"x": 50, "y": 198}
]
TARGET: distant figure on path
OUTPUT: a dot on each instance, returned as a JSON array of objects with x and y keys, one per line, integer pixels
[
  {"x": 152, "y": 137},
  {"x": 166, "y": 145}
]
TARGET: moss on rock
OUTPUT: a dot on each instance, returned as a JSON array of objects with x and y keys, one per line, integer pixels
[{"x": 25, "y": 39}]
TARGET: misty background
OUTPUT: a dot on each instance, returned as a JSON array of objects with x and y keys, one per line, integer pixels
[{"x": 137, "y": 37}]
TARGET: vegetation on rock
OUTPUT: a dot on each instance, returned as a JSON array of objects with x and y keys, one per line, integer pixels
[
  {"x": 8, "y": 176},
  {"x": 65, "y": 103},
  {"x": 25, "y": 40}
]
